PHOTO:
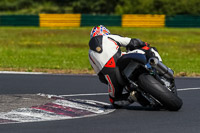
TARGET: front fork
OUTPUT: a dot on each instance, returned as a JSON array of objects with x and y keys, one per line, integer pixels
[
  {"x": 169, "y": 83},
  {"x": 152, "y": 101}
]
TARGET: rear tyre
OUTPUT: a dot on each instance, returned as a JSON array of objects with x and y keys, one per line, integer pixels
[{"x": 150, "y": 85}]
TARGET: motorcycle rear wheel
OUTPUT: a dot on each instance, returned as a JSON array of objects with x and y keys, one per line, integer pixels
[{"x": 150, "y": 85}]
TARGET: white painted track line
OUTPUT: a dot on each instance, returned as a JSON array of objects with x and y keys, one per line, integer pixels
[
  {"x": 91, "y": 94},
  {"x": 188, "y": 89},
  {"x": 15, "y": 72},
  {"x": 99, "y": 94}
]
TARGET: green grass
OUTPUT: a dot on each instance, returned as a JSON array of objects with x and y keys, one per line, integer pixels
[
  {"x": 35, "y": 48},
  {"x": 52, "y": 49}
]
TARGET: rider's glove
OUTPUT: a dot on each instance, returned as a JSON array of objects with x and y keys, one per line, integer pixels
[
  {"x": 149, "y": 54},
  {"x": 135, "y": 44},
  {"x": 148, "y": 51}
]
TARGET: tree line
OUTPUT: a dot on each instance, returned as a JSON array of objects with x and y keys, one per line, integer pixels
[{"x": 118, "y": 7}]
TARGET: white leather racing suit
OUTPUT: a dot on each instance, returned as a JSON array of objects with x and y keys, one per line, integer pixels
[{"x": 103, "y": 55}]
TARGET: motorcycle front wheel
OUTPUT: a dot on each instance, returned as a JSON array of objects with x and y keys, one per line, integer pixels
[{"x": 168, "y": 99}]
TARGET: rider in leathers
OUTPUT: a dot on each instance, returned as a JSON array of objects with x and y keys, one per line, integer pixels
[{"x": 103, "y": 55}]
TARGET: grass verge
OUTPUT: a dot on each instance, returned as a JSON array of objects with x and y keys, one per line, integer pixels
[{"x": 65, "y": 50}]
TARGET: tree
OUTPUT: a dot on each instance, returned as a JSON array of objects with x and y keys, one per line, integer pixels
[{"x": 95, "y": 7}]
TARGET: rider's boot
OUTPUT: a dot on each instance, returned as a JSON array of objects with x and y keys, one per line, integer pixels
[{"x": 121, "y": 102}]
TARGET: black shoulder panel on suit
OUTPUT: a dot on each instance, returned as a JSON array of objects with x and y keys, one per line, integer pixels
[{"x": 95, "y": 44}]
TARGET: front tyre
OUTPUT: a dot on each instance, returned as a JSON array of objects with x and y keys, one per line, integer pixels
[{"x": 168, "y": 99}]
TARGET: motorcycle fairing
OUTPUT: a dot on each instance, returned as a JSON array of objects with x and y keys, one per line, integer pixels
[{"x": 136, "y": 57}]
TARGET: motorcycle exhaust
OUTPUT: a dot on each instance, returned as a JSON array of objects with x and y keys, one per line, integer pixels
[{"x": 161, "y": 68}]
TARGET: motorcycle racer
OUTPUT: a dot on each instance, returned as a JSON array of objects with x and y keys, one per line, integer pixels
[{"x": 104, "y": 53}]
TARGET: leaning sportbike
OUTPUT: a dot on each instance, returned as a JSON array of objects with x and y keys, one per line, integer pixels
[{"x": 151, "y": 79}]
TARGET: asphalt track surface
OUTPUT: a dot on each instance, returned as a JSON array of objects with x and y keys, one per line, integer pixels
[{"x": 132, "y": 120}]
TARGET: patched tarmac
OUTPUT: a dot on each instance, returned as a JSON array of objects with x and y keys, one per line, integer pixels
[
  {"x": 15, "y": 101},
  {"x": 44, "y": 107}
]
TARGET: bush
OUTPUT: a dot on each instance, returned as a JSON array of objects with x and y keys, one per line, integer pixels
[{"x": 168, "y": 7}]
